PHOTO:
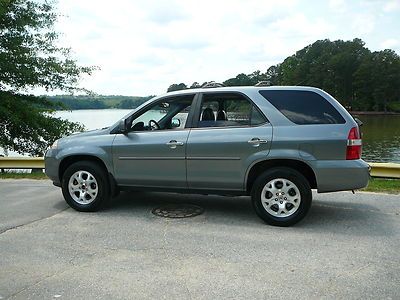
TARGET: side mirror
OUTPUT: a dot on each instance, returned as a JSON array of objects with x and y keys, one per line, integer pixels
[
  {"x": 122, "y": 126},
  {"x": 175, "y": 122}
]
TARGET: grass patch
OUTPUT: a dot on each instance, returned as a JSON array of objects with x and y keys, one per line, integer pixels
[
  {"x": 382, "y": 185},
  {"x": 15, "y": 175}
]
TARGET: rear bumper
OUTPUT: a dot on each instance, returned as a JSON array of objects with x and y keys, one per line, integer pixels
[{"x": 341, "y": 175}]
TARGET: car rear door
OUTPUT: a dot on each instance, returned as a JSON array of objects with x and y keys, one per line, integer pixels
[{"x": 229, "y": 134}]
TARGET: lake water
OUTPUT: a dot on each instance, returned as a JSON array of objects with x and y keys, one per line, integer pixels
[
  {"x": 381, "y": 138},
  {"x": 94, "y": 118},
  {"x": 381, "y": 134}
]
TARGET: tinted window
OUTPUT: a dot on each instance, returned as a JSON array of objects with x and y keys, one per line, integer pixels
[
  {"x": 303, "y": 107},
  {"x": 221, "y": 110},
  {"x": 257, "y": 117}
]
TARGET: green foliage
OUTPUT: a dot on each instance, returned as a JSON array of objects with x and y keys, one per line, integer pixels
[
  {"x": 394, "y": 106},
  {"x": 132, "y": 102},
  {"x": 27, "y": 125},
  {"x": 274, "y": 75},
  {"x": 379, "y": 77},
  {"x": 246, "y": 80},
  {"x": 29, "y": 58},
  {"x": 355, "y": 76},
  {"x": 28, "y": 54},
  {"x": 195, "y": 85},
  {"x": 96, "y": 102},
  {"x": 177, "y": 87}
]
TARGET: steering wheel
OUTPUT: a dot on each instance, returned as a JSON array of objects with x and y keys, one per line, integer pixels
[{"x": 154, "y": 125}]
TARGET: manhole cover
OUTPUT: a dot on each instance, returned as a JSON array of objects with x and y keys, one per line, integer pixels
[{"x": 178, "y": 211}]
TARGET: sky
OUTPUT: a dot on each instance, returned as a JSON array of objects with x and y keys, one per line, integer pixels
[{"x": 143, "y": 46}]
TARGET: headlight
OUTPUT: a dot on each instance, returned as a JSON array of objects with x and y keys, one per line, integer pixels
[{"x": 55, "y": 144}]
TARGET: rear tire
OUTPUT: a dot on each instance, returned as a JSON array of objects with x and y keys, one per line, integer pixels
[
  {"x": 85, "y": 186},
  {"x": 281, "y": 196}
]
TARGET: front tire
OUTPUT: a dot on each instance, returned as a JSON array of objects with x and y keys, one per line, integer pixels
[
  {"x": 281, "y": 196},
  {"x": 85, "y": 186}
]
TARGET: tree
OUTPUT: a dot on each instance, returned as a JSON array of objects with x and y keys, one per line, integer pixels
[
  {"x": 240, "y": 80},
  {"x": 378, "y": 79},
  {"x": 177, "y": 87},
  {"x": 247, "y": 80},
  {"x": 29, "y": 59},
  {"x": 195, "y": 85},
  {"x": 357, "y": 78},
  {"x": 273, "y": 75}
]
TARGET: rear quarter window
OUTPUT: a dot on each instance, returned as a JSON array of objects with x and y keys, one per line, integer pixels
[{"x": 303, "y": 107}]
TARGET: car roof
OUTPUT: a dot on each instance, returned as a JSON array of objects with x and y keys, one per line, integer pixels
[{"x": 243, "y": 89}]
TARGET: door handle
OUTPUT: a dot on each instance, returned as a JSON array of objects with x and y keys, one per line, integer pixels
[
  {"x": 255, "y": 142},
  {"x": 173, "y": 143}
]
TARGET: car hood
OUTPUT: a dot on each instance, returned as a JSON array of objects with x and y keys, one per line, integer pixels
[{"x": 88, "y": 133}]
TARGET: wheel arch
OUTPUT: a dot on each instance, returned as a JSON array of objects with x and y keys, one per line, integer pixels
[
  {"x": 264, "y": 165},
  {"x": 69, "y": 160}
]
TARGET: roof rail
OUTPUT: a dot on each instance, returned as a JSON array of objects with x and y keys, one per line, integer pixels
[
  {"x": 212, "y": 84},
  {"x": 263, "y": 83}
]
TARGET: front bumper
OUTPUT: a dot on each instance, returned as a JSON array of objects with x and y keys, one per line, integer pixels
[
  {"x": 341, "y": 175},
  {"x": 52, "y": 166}
]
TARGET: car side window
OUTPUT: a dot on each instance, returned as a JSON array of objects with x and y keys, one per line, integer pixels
[
  {"x": 170, "y": 113},
  {"x": 303, "y": 107},
  {"x": 228, "y": 109}
]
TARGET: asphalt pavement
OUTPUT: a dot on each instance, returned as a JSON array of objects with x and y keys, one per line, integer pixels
[{"x": 347, "y": 247}]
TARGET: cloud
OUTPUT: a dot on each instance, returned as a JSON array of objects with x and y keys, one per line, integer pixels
[
  {"x": 363, "y": 23},
  {"x": 164, "y": 13},
  {"x": 338, "y": 5},
  {"x": 298, "y": 25},
  {"x": 390, "y": 43},
  {"x": 143, "y": 46},
  {"x": 178, "y": 42},
  {"x": 391, "y": 6}
]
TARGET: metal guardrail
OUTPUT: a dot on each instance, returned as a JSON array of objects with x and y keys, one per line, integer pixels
[
  {"x": 21, "y": 163},
  {"x": 386, "y": 170}
]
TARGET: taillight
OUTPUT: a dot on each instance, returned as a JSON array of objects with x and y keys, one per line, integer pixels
[{"x": 354, "y": 144}]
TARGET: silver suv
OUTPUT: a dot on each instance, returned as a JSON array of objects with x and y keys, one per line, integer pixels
[{"x": 272, "y": 143}]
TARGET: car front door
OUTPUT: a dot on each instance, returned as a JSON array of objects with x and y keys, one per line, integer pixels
[
  {"x": 229, "y": 133},
  {"x": 152, "y": 153}
]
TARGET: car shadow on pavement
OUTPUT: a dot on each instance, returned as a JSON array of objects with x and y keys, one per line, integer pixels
[
  {"x": 215, "y": 207},
  {"x": 60, "y": 205}
]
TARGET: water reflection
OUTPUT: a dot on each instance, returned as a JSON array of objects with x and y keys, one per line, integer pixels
[{"x": 381, "y": 138}]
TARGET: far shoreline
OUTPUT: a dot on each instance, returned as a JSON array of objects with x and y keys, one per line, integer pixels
[{"x": 374, "y": 113}]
